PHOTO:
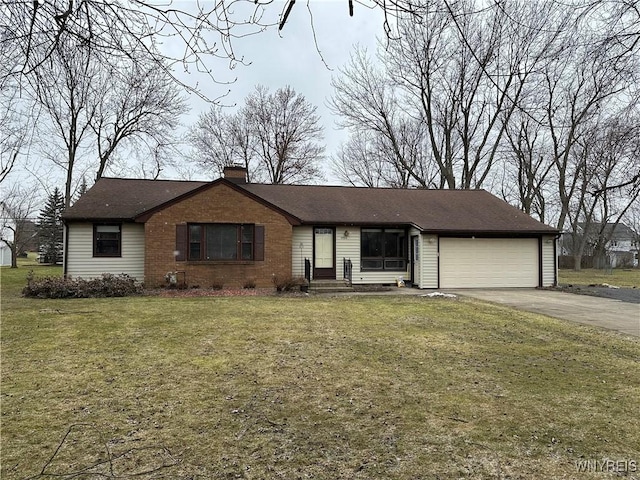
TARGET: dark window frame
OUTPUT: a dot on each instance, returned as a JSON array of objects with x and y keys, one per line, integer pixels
[
  {"x": 245, "y": 242},
  {"x": 386, "y": 261},
  {"x": 100, "y": 244}
]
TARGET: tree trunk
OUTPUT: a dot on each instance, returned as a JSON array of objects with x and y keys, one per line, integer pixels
[
  {"x": 577, "y": 262},
  {"x": 14, "y": 257}
]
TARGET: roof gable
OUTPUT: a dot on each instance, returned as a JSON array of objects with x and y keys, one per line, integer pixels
[
  {"x": 615, "y": 231},
  {"x": 124, "y": 199}
]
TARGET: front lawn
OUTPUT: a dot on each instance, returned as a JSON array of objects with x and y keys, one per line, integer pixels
[
  {"x": 317, "y": 387},
  {"x": 627, "y": 277}
]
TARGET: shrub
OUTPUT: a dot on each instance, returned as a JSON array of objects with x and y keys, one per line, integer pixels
[
  {"x": 249, "y": 283},
  {"x": 107, "y": 285},
  {"x": 288, "y": 283}
]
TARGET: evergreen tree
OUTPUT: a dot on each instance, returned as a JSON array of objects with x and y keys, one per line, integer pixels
[
  {"x": 50, "y": 228},
  {"x": 82, "y": 189}
]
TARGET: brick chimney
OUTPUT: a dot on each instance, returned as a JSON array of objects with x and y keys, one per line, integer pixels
[{"x": 235, "y": 174}]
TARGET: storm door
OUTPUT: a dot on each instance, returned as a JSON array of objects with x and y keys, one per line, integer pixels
[{"x": 324, "y": 263}]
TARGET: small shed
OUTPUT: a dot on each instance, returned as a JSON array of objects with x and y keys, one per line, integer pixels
[{"x": 5, "y": 256}]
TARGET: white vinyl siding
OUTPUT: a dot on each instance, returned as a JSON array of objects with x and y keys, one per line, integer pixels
[
  {"x": 429, "y": 261},
  {"x": 80, "y": 261},
  {"x": 548, "y": 261},
  {"x": 301, "y": 248},
  {"x": 488, "y": 262},
  {"x": 347, "y": 247}
]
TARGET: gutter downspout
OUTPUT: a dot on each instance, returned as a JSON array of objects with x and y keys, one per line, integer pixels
[
  {"x": 555, "y": 259},
  {"x": 66, "y": 249}
]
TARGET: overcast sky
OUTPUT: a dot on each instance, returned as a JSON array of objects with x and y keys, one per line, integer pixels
[
  {"x": 276, "y": 59},
  {"x": 290, "y": 57}
]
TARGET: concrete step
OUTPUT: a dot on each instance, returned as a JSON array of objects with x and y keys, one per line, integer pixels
[{"x": 330, "y": 286}]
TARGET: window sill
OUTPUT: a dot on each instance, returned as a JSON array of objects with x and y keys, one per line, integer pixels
[{"x": 383, "y": 270}]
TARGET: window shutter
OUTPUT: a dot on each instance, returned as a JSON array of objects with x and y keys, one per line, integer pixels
[
  {"x": 259, "y": 243},
  {"x": 181, "y": 243}
]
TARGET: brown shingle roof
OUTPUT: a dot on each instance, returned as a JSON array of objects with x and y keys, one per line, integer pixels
[
  {"x": 125, "y": 199},
  {"x": 472, "y": 211},
  {"x": 433, "y": 210}
]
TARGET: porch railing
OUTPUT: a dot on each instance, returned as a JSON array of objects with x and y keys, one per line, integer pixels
[
  {"x": 307, "y": 270},
  {"x": 347, "y": 268}
]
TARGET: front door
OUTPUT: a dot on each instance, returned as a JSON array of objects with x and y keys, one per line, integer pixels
[{"x": 324, "y": 263}]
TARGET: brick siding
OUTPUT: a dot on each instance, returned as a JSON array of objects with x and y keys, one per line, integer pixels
[{"x": 217, "y": 204}]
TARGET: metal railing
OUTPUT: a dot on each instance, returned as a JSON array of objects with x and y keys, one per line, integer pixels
[
  {"x": 347, "y": 267},
  {"x": 307, "y": 270}
]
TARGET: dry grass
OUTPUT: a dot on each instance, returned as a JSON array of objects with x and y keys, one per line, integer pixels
[
  {"x": 591, "y": 276},
  {"x": 318, "y": 387}
]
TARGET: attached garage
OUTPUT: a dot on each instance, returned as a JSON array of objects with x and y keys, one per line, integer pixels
[{"x": 489, "y": 262}]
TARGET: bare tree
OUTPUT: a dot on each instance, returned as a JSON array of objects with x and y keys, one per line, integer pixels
[
  {"x": 528, "y": 166},
  {"x": 461, "y": 73},
  {"x": 363, "y": 161},
  {"x": 96, "y": 111},
  {"x": 223, "y": 139},
  {"x": 137, "y": 106},
  {"x": 275, "y": 135},
  {"x": 32, "y": 31},
  {"x": 582, "y": 88},
  {"x": 17, "y": 117},
  {"x": 607, "y": 154},
  {"x": 18, "y": 207},
  {"x": 113, "y": 31},
  {"x": 287, "y": 130},
  {"x": 65, "y": 90},
  {"x": 384, "y": 134}
]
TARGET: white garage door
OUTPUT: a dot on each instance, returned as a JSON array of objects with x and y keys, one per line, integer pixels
[{"x": 488, "y": 262}]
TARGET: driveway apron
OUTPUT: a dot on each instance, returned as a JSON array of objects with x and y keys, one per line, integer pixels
[{"x": 595, "y": 311}]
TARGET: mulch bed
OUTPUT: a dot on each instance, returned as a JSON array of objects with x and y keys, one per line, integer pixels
[{"x": 222, "y": 292}]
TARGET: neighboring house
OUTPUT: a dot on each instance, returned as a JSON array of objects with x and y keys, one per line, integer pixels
[
  {"x": 227, "y": 232},
  {"x": 30, "y": 231},
  {"x": 5, "y": 256},
  {"x": 618, "y": 243}
]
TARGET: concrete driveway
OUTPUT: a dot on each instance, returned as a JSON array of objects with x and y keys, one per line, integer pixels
[{"x": 598, "y": 312}]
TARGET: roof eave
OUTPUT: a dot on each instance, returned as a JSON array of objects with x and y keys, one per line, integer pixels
[
  {"x": 96, "y": 219},
  {"x": 514, "y": 232}
]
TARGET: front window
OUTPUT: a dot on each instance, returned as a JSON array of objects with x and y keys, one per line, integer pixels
[
  {"x": 383, "y": 249},
  {"x": 221, "y": 242},
  {"x": 107, "y": 240}
]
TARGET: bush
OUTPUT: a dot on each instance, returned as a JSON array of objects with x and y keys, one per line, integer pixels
[
  {"x": 57, "y": 287},
  {"x": 287, "y": 284}
]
